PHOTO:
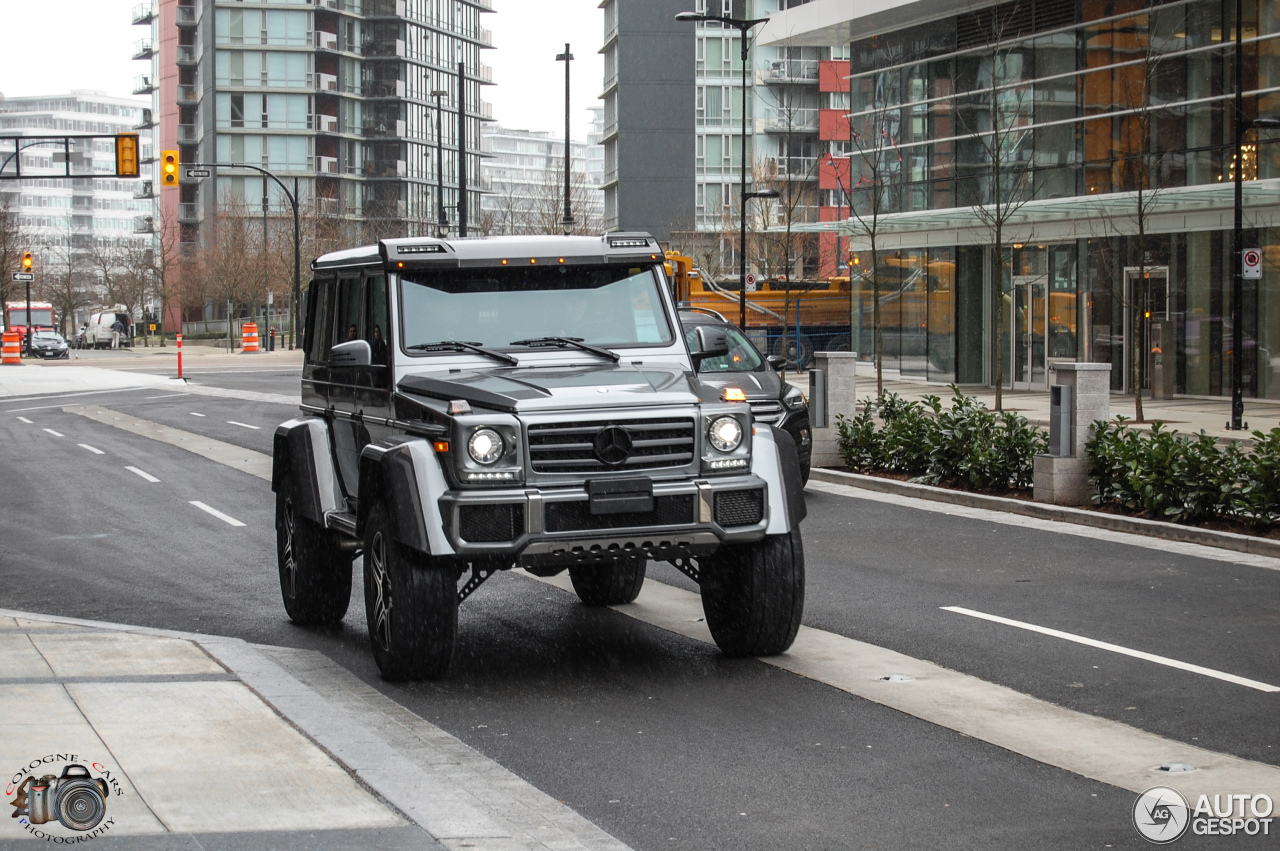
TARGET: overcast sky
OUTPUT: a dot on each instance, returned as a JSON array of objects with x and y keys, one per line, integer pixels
[{"x": 54, "y": 46}]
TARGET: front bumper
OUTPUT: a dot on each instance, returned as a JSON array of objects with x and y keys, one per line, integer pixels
[{"x": 555, "y": 526}]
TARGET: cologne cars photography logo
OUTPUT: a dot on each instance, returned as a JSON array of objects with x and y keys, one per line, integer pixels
[
  {"x": 76, "y": 798},
  {"x": 1161, "y": 814}
]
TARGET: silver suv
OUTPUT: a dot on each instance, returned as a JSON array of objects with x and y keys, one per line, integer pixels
[{"x": 478, "y": 405}]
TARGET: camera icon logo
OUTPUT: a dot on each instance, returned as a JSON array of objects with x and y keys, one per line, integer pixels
[
  {"x": 76, "y": 800},
  {"x": 1161, "y": 815}
]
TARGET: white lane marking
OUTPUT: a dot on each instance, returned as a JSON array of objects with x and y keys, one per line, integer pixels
[
  {"x": 226, "y": 518},
  {"x": 244, "y": 425},
  {"x": 144, "y": 474},
  {"x": 25, "y": 420},
  {"x": 55, "y": 433},
  {"x": 194, "y": 414},
  {"x": 95, "y": 450},
  {"x": 1115, "y": 648},
  {"x": 1094, "y": 747},
  {"x": 1057, "y": 526},
  {"x": 166, "y": 396}
]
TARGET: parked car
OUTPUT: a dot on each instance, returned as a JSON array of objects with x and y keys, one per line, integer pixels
[
  {"x": 772, "y": 400},
  {"x": 49, "y": 344}
]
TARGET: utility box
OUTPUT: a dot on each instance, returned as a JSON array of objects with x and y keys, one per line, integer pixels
[
  {"x": 817, "y": 398},
  {"x": 1060, "y": 432}
]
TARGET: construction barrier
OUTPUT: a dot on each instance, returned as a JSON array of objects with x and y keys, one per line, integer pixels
[
  {"x": 12, "y": 348},
  {"x": 249, "y": 337},
  {"x": 179, "y": 355}
]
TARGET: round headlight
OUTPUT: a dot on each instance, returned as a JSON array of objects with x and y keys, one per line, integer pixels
[
  {"x": 725, "y": 433},
  {"x": 485, "y": 446}
]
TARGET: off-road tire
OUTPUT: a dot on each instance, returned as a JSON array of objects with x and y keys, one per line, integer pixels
[
  {"x": 315, "y": 574},
  {"x": 410, "y": 603},
  {"x": 753, "y": 595},
  {"x": 609, "y": 584}
]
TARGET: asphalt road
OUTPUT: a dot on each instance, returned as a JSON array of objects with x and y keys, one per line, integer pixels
[{"x": 656, "y": 737}]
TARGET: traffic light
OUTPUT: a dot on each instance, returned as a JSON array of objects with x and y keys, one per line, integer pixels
[
  {"x": 27, "y": 262},
  {"x": 127, "y": 155},
  {"x": 168, "y": 168}
]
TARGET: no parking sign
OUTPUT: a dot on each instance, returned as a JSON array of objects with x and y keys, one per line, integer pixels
[{"x": 1251, "y": 263}]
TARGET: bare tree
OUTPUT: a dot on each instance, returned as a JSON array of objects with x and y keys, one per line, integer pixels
[
  {"x": 996, "y": 114},
  {"x": 65, "y": 277},
  {"x": 13, "y": 241}
]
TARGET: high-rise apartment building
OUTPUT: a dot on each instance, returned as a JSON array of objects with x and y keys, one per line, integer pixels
[
  {"x": 523, "y": 181},
  {"x": 337, "y": 94}
]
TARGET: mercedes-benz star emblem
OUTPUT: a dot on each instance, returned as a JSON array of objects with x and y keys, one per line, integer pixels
[{"x": 613, "y": 445}]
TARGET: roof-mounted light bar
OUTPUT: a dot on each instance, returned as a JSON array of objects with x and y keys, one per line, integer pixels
[
  {"x": 434, "y": 248},
  {"x": 629, "y": 242}
]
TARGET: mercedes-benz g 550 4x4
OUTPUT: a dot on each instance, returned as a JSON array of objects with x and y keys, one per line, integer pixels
[{"x": 477, "y": 405}]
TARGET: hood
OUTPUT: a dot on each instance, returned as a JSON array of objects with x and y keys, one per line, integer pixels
[
  {"x": 544, "y": 388},
  {"x": 765, "y": 384}
]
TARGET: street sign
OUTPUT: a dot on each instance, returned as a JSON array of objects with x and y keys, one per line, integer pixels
[
  {"x": 1251, "y": 259},
  {"x": 751, "y": 282},
  {"x": 24, "y": 276},
  {"x": 153, "y": 326},
  {"x": 198, "y": 172}
]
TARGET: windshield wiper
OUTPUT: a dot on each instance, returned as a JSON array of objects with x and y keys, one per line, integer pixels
[
  {"x": 563, "y": 342},
  {"x": 462, "y": 346}
]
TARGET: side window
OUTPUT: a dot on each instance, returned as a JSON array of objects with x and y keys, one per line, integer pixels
[
  {"x": 319, "y": 320},
  {"x": 375, "y": 330},
  {"x": 348, "y": 310}
]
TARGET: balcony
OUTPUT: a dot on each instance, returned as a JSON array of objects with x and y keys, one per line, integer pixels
[
  {"x": 384, "y": 129},
  {"x": 789, "y": 121},
  {"x": 188, "y": 55},
  {"x": 796, "y": 168},
  {"x": 187, "y": 213},
  {"x": 327, "y": 123},
  {"x": 484, "y": 74},
  {"x": 484, "y": 36},
  {"x": 143, "y": 192},
  {"x": 384, "y": 9},
  {"x": 142, "y": 85},
  {"x": 143, "y": 224},
  {"x": 788, "y": 71},
  {"x": 326, "y": 165},
  {"x": 143, "y": 13},
  {"x": 188, "y": 94},
  {"x": 326, "y": 41},
  {"x": 186, "y": 16},
  {"x": 374, "y": 48},
  {"x": 142, "y": 49},
  {"x": 486, "y": 5},
  {"x": 327, "y": 4},
  {"x": 146, "y": 157},
  {"x": 327, "y": 82},
  {"x": 396, "y": 168},
  {"x": 188, "y": 133},
  {"x": 147, "y": 121},
  {"x": 384, "y": 88}
]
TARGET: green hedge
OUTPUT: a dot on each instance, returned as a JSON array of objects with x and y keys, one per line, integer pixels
[
  {"x": 965, "y": 446},
  {"x": 1187, "y": 479}
]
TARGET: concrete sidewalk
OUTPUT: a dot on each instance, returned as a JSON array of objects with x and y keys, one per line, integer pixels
[{"x": 208, "y": 742}]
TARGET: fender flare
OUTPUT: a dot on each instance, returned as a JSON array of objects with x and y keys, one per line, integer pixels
[
  {"x": 774, "y": 459},
  {"x": 409, "y": 474},
  {"x": 302, "y": 446}
]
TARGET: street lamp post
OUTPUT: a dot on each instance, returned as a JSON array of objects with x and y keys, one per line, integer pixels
[
  {"x": 743, "y": 26},
  {"x": 441, "y": 222},
  {"x": 567, "y": 222}
]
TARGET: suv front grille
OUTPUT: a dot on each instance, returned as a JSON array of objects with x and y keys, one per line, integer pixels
[
  {"x": 571, "y": 447},
  {"x": 577, "y": 517},
  {"x": 768, "y": 411}
]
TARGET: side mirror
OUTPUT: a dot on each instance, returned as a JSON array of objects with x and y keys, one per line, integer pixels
[
  {"x": 776, "y": 361},
  {"x": 351, "y": 353},
  {"x": 713, "y": 342}
]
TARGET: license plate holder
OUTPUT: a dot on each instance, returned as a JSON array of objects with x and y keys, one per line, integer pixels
[{"x": 621, "y": 496}]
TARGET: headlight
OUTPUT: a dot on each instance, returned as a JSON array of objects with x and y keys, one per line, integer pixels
[
  {"x": 793, "y": 399},
  {"x": 725, "y": 434},
  {"x": 485, "y": 446}
]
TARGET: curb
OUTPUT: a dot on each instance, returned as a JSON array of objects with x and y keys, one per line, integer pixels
[{"x": 1064, "y": 514}]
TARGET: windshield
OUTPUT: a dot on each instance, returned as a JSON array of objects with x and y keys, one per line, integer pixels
[
  {"x": 47, "y": 335},
  {"x": 742, "y": 356},
  {"x": 612, "y": 306}
]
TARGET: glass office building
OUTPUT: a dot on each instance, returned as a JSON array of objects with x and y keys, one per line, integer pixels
[{"x": 1101, "y": 135}]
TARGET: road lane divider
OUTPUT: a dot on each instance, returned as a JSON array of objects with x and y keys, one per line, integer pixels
[
  {"x": 225, "y": 518},
  {"x": 55, "y": 433},
  {"x": 194, "y": 414},
  {"x": 244, "y": 425},
  {"x": 227, "y": 454},
  {"x": 1116, "y": 648},
  {"x": 95, "y": 450},
  {"x": 1097, "y": 748},
  {"x": 25, "y": 420},
  {"x": 144, "y": 474}
]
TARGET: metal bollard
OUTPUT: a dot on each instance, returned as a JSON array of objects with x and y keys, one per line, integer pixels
[
  {"x": 1060, "y": 438},
  {"x": 817, "y": 398}
]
